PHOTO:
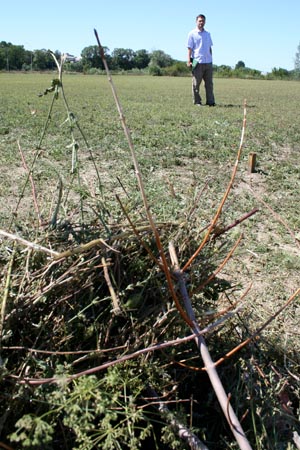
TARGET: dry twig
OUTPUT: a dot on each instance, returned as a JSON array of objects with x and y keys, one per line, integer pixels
[
  {"x": 116, "y": 304},
  {"x": 33, "y": 245},
  {"x": 6, "y": 292}
]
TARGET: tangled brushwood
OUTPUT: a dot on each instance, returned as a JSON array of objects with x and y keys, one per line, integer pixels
[{"x": 108, "y": 326}]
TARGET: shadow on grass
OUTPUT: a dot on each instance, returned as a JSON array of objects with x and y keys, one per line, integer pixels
[{"x": 231, "y": 105}]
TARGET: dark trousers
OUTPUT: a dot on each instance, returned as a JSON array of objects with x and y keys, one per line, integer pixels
[{"x": 203, "y": 72}]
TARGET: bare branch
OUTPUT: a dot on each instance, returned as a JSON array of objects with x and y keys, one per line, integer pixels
[
  {"x": 26, "y": 243},
  {"x": 116, "y": 304},
  {"x": 6, "y": 292},
  {"x": 152, "y": 348}
]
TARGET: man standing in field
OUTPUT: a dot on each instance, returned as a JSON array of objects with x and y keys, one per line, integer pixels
[{"x": 200, "y": 60}]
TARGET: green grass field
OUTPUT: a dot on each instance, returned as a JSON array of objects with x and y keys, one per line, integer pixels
[
  {"x": 167, "y": 131},
  {"x": 186, "y": 156}
]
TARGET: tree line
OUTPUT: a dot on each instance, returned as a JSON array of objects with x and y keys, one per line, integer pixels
[{"x": 16, "y": 57}]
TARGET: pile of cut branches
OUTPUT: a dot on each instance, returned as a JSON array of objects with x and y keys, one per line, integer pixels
[{"x": 106, "y": 329}]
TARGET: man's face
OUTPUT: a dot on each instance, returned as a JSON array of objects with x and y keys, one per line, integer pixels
[{"x": 200, "y": 23}]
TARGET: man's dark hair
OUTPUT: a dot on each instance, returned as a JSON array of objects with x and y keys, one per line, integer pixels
[{"x": 202, "y": 16}]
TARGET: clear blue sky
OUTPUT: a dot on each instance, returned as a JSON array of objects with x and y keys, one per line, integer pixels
[{"x": 264, "y": 34}]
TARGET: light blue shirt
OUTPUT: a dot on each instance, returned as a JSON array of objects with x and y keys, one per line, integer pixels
[{"x": 200, "y": 42}]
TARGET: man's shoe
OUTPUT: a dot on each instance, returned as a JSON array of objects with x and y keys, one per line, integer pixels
[
  {"x": 198, "y": 104},
  {"x": 210, "y": 104}
]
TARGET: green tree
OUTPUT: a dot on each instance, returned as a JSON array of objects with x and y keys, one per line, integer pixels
[
  {"x": 224, "y": 71},
  {"x": 12, "y": 56},
  {"x": 177, "y": 70},
  {"x": 3, "y": 55},
  {"x": 155, "y": 70},
  {"x": 280, "y": 73},
  {"x": 74, "y": 66},
  {"x": 2, "y": 59},
  {"x": 91, "y": 57},
  {"x": 123, "y": 58},
  {"x": 240, "y": 65},
  {"x": 160, "y": 59},
  {"x": 17, "y": 57},
  {"x": 141, "y": 59},
  {"x": 42, "y": 60},
  {"x": 28, "y": 61}
]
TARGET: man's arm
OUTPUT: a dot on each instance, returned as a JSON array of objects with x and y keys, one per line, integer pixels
[{"x": 189, "y": 57}]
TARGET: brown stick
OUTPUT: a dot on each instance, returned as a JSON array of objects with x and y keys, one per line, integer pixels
[
  {"x": 252, "y": 162},
  {"x": 6, "y": 292},
  {"x": 136, "y": 232},
  {"x": 117, "y": 309},
  {"x": 152, "y": 348},
  {"x": 141, "y": 187},
  {"x": 236, "y": 222}
]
